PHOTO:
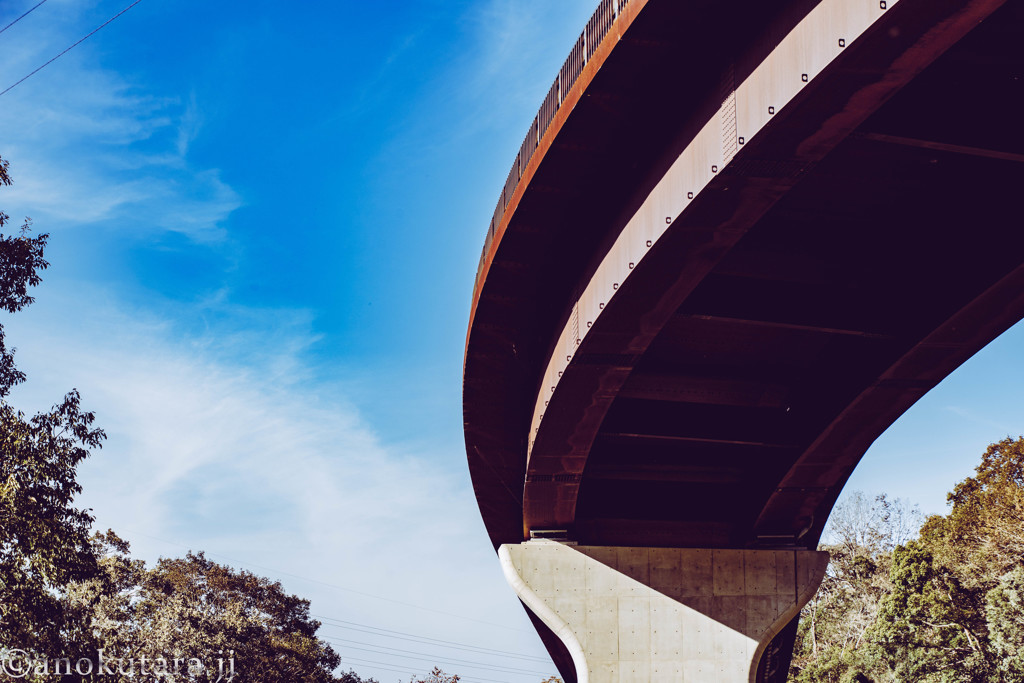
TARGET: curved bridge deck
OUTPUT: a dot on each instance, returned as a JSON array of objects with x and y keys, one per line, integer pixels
[{"x": 747, "y": 239}]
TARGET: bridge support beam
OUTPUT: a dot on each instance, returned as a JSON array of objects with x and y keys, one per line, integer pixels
[{"x": 637, "y": 615}]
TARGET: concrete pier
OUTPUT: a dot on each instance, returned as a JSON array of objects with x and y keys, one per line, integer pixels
[{"x": 638, "y": 615}]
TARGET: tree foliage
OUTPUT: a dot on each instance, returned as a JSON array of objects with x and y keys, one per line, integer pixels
[
  {"x": 1004, "y": 612},
  {"x": 44, "y": 538},
  {"x": 945, "y": 607},
  {"x": 192, "y": 609},
  {"x": 21, "y": 261},
  {"x": 436, "y": 676},
  {"x": 861, "y": 537}
]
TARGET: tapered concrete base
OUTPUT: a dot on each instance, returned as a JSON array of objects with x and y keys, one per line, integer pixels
[{"x": 639, "y": 615}]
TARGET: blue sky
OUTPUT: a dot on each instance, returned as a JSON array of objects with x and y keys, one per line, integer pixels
[{"x": 266, "y": 219}]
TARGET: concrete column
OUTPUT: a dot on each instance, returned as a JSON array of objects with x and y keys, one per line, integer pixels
[{"x": 670, "y": 615}]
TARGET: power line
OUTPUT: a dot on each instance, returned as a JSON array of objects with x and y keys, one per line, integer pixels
[
  {"x": 526, "y": 659},
  {"x": 440, "y": 660},
  {"x": 388, "y": 633},
  {"x": 69, "y": 48},
  {"x": 423, "y": 640},
  {"x": 22, "y": 16},
  {"x": 333, "y": 585},
  {"x": 426, "y": 656}
]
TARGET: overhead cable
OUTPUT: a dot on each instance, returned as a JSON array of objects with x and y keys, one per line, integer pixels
[
  {"x": 22, "y": 16},
  {"x": 334, "y": 585},
  {"x": 69, "y": 48},
  {"x": 426, "y": 656},
  {"x": 422, "y": 640}
]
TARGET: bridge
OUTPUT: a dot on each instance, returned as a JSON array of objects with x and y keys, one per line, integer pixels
[{"x": 739, "y": 240}]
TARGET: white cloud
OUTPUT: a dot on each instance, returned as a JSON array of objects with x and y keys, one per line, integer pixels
[
  {"x": 189, "y": 125},
  {"x": 205, "y": 429},
  {"x": 243, "y": 460},
  {"x": 87, "y": 144}
]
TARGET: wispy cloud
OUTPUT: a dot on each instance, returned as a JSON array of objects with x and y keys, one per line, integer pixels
[
  {"x": 188, "y": 125},
  {"x": 996, "y": 426},
  {"x": 88, "y": 145},
  {"x": 238, "y": 459}
]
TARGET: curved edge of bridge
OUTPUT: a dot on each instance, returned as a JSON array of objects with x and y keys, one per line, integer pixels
[{"x": 567, "y": 93}]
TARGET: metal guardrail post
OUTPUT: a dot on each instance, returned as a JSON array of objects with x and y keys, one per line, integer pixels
[{"x": 594, "y": 32}]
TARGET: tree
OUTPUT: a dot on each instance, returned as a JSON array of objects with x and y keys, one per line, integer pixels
[
  {"x": 984, "y": 531},
  {"x": 871, "y": 527},
  {"x": 928, "y": 627},
  {"x": 21, "y": 260},
  {"x": 831, "y": 642},
  {"x": 44, "y": 538},
  {"x": 951, "y": 616},
  {"x": 436, "y": 676},
  {"x": 212, "y": 619},
  {"x": 1004, "y": 613},
  {"x": 945, "y": 607}
]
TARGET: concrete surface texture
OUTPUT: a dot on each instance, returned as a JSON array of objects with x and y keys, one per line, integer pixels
[{"x": 633, "y": 615}]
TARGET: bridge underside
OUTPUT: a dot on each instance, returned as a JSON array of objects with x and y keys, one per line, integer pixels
[
  {"x": 861, "y": 263},
  {"x": 728, "y": 411},
  {"x": 891, "y": 235}
]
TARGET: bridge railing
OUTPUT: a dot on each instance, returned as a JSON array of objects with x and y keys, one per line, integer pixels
[
  {"x": 597, "y": 28},
  {"x": 599, "y": 25}
]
